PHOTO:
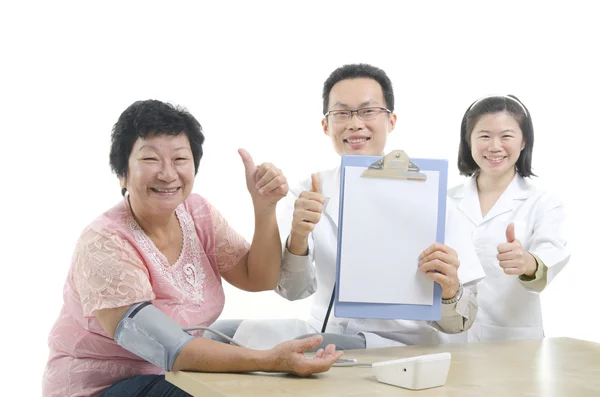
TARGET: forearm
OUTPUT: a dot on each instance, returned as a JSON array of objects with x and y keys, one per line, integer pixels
[
  {"x": 297, "y": 244},
  {"x": 264, "y": 258},
  {"x": 206, "y": 355}
]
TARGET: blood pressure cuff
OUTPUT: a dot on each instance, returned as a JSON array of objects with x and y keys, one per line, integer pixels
[{"x": 152, "y": 335}]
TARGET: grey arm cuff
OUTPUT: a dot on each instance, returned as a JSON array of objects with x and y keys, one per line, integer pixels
[{"x": 152, "y": 335}]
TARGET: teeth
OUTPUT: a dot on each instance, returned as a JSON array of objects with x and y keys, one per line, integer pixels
[
  {"x": 166, "y": 191},
  {"x": 495, "y": 158},
  {"x": 356, "y": 140}
]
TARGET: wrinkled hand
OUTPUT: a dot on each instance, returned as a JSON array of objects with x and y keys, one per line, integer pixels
[
  {"x": 441, "y": 264},
  {"x": 289, "y": 357},
  {"x": 266, "y": 183},
  {"x": 512, "y": 258}
]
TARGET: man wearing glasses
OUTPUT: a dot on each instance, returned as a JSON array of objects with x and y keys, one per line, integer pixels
[
  {"x": 358, "y": 109},
  {"x": 358, "y": 115}
]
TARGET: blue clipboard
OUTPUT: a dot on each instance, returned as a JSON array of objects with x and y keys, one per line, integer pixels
[{"x": 392, "y": 311}]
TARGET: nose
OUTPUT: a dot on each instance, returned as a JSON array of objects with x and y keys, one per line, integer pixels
[
  {"x": 167, "y": 172},
  {"x": 494, "y": 144},
  {"x": 355, "y": 123}
]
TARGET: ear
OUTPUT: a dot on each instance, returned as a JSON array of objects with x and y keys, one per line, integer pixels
[
  {"x": 523, "y": 145},
  {"x": 392, "y": 122},
  {"x": 123, "y": 184},
  {"x": 325, "y": 126}
]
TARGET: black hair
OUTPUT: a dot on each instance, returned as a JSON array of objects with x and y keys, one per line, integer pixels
[
  {"x": 149, "y": 118},
  {"x": 358, "y": 70}
]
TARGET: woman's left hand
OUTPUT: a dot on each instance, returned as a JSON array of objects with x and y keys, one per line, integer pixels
[{"x": 266, "y": 183}]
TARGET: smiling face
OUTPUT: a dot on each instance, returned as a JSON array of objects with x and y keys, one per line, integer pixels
[
  {"x": 496, "y": 144},
  {"x": 357, "y": 136},
  {"x": 160, "y": 173}
]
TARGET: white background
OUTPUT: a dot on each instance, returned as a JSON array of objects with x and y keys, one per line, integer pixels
[{"x": 252, "y": 74}]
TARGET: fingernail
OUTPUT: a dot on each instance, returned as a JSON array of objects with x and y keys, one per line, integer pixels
[{"x": 261, "y": 191}]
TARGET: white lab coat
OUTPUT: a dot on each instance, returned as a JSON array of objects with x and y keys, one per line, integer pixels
[
  {"x": 508, "y": 307},
  {"x": 300, "y": 279}
]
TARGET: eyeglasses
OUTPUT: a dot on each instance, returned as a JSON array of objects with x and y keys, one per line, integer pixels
[{"x": 364, "y": 114}]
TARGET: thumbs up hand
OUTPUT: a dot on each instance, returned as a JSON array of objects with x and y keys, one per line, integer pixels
[
  {"x": 512, "y": 258},
  {"x": 307, "y": 213},
  {"x": 266, "y": 183}
]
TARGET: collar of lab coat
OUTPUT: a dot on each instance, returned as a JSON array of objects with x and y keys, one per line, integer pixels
[
  {"x": 330, "y": 186},
  {"x": 518, "y": 189}
]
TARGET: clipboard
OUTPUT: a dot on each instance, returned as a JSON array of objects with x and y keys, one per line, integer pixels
[{"x": 414, "y": 175}]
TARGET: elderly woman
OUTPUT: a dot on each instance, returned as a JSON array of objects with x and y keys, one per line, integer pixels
[{"x": 152, "y": 265}]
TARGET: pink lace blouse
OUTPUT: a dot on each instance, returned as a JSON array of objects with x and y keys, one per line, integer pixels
[{"x": 114, "y": 265}]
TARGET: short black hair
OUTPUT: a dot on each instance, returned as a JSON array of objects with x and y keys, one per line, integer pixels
[
  {"x": 495, "y": 104},
  {"x": 358, "y": 70},
  {"x": 150, "y": 118}
]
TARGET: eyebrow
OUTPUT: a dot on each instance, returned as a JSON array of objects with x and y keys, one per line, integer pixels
[
  {"x": 146, "y": 147},
  {"x": 154, "y": 148},
  {"x": 501, "y": 132},
  {"x": 343, "y": 105}
]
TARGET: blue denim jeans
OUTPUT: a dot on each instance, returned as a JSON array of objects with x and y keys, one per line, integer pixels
[{"x": 144, "y": 386}]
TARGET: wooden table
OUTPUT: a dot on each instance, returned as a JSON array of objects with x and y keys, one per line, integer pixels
[{"x": 552, "y": 367}]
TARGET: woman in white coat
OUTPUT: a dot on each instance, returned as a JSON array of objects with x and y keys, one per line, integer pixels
[
  {"x": 358, "y": 104},
  {"x": 518, "y": 230}
]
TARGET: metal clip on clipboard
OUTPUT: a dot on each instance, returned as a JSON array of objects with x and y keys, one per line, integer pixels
[{"x": 395, "y": 165}]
